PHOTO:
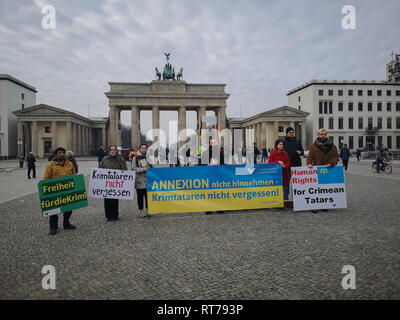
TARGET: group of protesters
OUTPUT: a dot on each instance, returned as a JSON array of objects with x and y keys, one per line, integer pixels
[{"x": 287, "y": 152}]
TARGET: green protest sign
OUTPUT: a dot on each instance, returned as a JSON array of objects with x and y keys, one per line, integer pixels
[{"x": 62, "y": 194}]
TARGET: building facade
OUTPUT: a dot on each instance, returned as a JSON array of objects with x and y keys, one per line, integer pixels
[
  {"x": 43, "y": 128},
  {"x": 270, "y": 125},
  {"x": 14, "y": 95},
  {"x": 362, "y": 114}
]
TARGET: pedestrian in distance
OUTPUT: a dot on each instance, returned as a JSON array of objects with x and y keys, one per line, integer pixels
[
  {"x": 30, "y": 159},
  {"x": 358, "y": 154},
  {"x": 279, "y": 155},
  {"x": 140, "y": 165},
  {"x": 59, "y": 167},
  {"x": 21, "y": 161},
  {"x": 322, "y": 153},
  {"x": 345, "y": 156},
  {"x": 101, "y": 153},
  {"x": 112, "y": 161},
  {"x": 264, "y": 155}
]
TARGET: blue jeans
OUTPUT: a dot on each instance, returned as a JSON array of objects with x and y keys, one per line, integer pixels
[
  {"x": 54, "y": 220},
  {"x": 286, "y": 193}
]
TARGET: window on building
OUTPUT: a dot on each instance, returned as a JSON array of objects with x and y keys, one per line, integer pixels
[
  {"x": 280, "y": 128},
  {"x": 351, "y": 123},
  {"x": 379, "y": 122},
  {"x": 360, "y": 123},
  {"x": 397, "y": 122},
  {"x": 330, "y": 103},
  {"x": 369, "y": 106},
  {"x": 330, "y": 92},
  {"x": 23, "y": 106},
  {"x": 389, "y": 123},
  {"x": 380, "y": 140},
  {"x": 397, "y": 106},
  {"x": 299, "y": 107},
  {"x": 389, "y": 142},
  {"x": 350, "y": 92},
  {"x": 351, "y": 142},
  {"x": 360, "y": 141},
  {"x": 321, "y": 107},
  {"x": 320, "y": 123},
  {"x": 340, "y": 106},
  {"x": 341, "y": 141},
  {"x": 330, "y": 123},
  {"x": 389, "y": 106},
  {"x": 47, "y": 129},
  {"x": 398, "y": 142},
  {"x": 388, "y": 93},
  {"x": 325, "y": 107},
  {"x": 360, "y": 93},
  {"x": 379, "y": 106},
  {"x": 379, "y": 93},
  {"x": 22, "y": 96},
  {"x": 370, "y": 122},
  {"x": 320, "y": 92},
  {"x": 360, "y": 106},
  {"x": 332, "y": 138},
  {"x": 369, "y": 93},
  {"x": 350, "y": 105},
  {"x": 397, "y": 93},
  {"x": 340, "y": 123},
  {"x": 340, "y": 92},
  {"x": 299, "y": 99}
]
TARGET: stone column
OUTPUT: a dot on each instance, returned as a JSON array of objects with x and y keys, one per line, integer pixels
[
  {"x": 113, "y": 133},
  {"x": 276, "y": 130},
  {"x": 259, "y": 135},
  {"x": 103, "y": 138},
  {"x": 292, "y": 125},
  {"x": 79, "y": 139},
  {"x": 54, "y": 135},
  {"x": 34, "y": 138},
  {"x": 303, "y": 135},
  {"x": 118, "y": 125},
  {"x": 222, "y": 117},
  {"x": 181, "y": 124},
  {"x": 68, "y": 145},
  {"x": 135, "y": 131},
  {"x": 20, "y": 139},
  {"x": 28, "y": 137},
  {"x": 90, "y": 140},
  {"x": 201, "y": 112},
  {"x": 263, "y": 135}
]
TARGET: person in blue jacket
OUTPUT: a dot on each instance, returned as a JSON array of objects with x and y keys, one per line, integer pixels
[{"x": 345, "y": 156}]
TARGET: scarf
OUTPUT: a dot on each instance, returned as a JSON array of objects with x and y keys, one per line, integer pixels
[{"x": 325, "y": 146}]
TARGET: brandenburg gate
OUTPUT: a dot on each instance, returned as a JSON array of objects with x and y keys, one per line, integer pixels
[{"x": 163, "y": 95}]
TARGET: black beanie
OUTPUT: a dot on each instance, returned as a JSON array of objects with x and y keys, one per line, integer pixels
[{"x": 289, "y": 129}]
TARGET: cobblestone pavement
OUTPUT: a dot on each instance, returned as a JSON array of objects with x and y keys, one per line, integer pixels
[{"x": 259, "y": 254}]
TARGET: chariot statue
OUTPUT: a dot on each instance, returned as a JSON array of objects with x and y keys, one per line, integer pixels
[{"x": 169, "y": 71}]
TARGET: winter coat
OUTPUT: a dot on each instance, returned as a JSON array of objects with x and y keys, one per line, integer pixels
[
  {"x": 31, "y": 160},
  {"x": 101, "y": 154},
  {"x": 291, "y": 146},
  {"x": 317, "y": 157},
  {"x": 72, "y": 159},
  {"x": 138, "y": 165},
  {"x": 56, "y": 169},
  {"x": 344, "y": 154},
  {"x": 117, "y": 163},
  {"x": 276, "y": 156}
]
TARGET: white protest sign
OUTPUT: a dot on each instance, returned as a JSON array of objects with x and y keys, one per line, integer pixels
[
  {"x": 318, "y": 188},
  {"x": 112, "y": 184}
]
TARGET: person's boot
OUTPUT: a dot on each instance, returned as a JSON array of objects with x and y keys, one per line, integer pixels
[
  {"x": 53, "y": 231},
  {"x": 69, "y": 227}
]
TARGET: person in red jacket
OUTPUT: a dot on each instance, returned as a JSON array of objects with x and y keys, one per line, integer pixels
[{"x": 279, "y": 155}]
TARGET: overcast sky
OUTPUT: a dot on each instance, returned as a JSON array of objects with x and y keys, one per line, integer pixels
[{"x": 260, "y": 49}]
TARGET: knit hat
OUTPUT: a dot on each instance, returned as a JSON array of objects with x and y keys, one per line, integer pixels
[{"x": 289, "y": 129}]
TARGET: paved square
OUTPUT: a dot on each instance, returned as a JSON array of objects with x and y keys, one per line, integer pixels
[{"x": 261, "y": 254}]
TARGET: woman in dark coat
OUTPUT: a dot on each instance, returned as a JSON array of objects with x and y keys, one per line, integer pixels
[{"x": 112, "y": 161}]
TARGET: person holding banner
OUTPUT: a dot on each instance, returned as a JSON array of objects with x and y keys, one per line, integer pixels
[
  {"x": 112, "y": 161},
  {"x": 141, "y": 166},
  {"x": 279, "y": 155},
  {"x": 322, "y": 152},
  {"x": 59, "y": 167}
]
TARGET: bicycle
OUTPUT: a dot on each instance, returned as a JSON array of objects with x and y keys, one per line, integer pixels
[{"x": 386, "y": 167}]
